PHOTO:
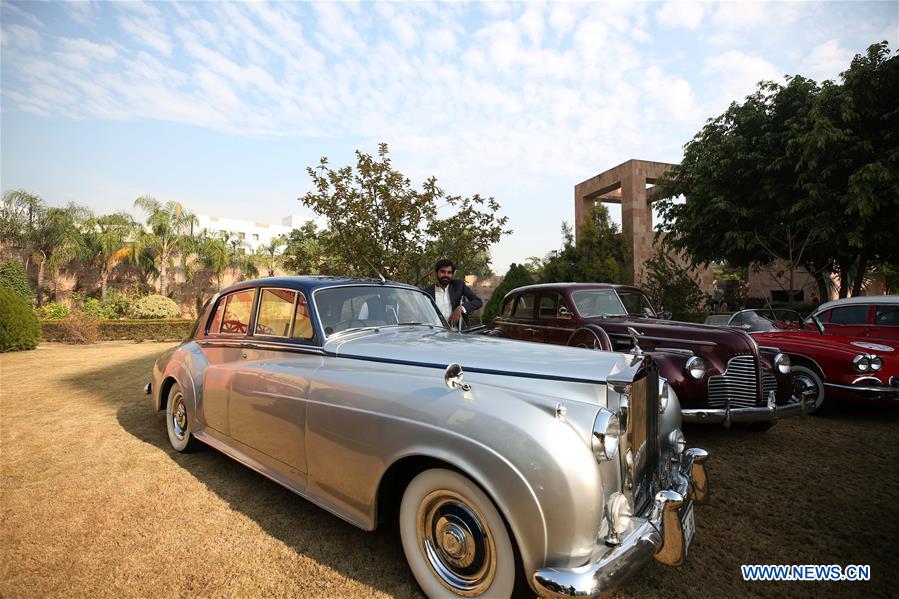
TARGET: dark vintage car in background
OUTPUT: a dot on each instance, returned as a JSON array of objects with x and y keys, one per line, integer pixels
[
  {"x": 875, "y": 317},
  {"x": 828, "y": 365},
  {"x": 568, "y": 470},
  {"x": 719, "y": 375}
]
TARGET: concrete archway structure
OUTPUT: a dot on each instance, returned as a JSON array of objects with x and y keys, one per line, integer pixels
[{"x": 631, "y": 185}]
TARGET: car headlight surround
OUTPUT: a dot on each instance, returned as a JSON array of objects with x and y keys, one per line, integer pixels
[
  {"x": 782, "y": 362},
  {"x": 861, "y": 363},
  {"x": 876, "y": 362},
  {"x": 695, "y": 367},
  {"x": 606, "y": 435},
  {"x": 620, "y": 512}
]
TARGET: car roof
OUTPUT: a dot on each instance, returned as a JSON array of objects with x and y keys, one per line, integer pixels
[
  {"x": 308, "y": 283},
  {"x": 572, "y": 287},
  {"x": 861, "y": 299}
]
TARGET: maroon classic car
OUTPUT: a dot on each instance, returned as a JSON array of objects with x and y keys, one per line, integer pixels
[
  {"x": 719, "y": 375},
  {"x": 830, "y": 366}
]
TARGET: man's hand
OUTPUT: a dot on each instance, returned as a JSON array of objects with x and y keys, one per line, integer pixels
[{"x": 456, "y": 315}]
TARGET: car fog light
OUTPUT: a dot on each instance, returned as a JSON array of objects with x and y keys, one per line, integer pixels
[
  {"x": 782, "y": 361},
  {"x": 620, "y": 513},
  {"x": 876, "y": 362},
  {"x": 861, "y": 363},
  {"x": 696, "y": 367},
  {"x": 606, "y": 431},
  {"x": 677, "y": 441},
  {"x": 663, "y": 396}
]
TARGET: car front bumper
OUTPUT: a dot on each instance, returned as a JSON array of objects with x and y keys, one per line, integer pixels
[
  {"x": 866, "y": 390},
  {"x": 798, "y": 405},
  {"x": 659, "y": 533}
]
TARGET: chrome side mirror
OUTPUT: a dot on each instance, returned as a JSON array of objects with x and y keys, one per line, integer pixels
[{"x": 452, "y": 376}]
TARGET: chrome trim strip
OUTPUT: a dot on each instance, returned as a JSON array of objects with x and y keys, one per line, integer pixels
[
  {"x": 866, "y": 388},
  {"x": 670, "y": 339},
  {"x": 676, "y": 350},
  {"x": 761, "y": 414},
  {"x": 524, "y": 375}
]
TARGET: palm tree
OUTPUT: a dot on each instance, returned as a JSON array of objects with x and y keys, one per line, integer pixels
[
  {"x": 224, "y": 252},
  {"x": 52, "y": 239},
  {"x": 18, "y": 212},
  {"x": 269, "y": 255},
  {"x": 169, "y": 226},
  {"x": 107, "y": 241}
]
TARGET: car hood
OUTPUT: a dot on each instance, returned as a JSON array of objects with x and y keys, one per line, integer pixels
[
  {"x": 673, "y": 333},
  {"x": 437, "y": 348},
  {"x": 851, "y": 346}
]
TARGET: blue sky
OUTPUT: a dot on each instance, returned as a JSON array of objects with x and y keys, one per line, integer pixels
[{"x": 222, "y": 106}]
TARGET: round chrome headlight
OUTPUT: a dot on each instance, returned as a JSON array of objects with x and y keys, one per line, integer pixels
[
  {"x": 695, "y": 367},
  {"x": 861, "y": 363},
  {"x": 782, "y": 361},
  {"x": 876, "y": 362},
  {"x": 677, "y": 441},
  {"x": 620, "y": 512},
  {"x": 606, "y": 432}
]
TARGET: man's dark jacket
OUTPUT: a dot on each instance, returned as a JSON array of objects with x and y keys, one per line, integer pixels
[{"x": 459, "y": 294}]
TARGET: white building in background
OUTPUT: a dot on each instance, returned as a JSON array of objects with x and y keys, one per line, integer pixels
[{"x": 253, "y": 233}]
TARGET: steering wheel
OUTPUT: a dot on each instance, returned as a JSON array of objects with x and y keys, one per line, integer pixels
[
  {"x": 349, "y": 323},
  {"x": 264, "y": 329}
]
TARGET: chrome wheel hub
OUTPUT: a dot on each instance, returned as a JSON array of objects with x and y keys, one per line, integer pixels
[
  {"x": 805, "y": 385},
  {"x": 456, "y": 543},
  {"x": 179, "y": 416}
]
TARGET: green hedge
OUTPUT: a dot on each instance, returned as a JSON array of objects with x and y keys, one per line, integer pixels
[{"x": 137, "y": 330}]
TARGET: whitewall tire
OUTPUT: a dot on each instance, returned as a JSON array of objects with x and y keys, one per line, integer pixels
[
  {"x": 178, "y": 421},
  {"x": 454, "y": 538}
]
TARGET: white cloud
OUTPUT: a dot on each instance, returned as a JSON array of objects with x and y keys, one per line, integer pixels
[
  {"x": 14, "y": 11},
  {"x": 20, "y": 36},
  {"x": 147, "y": 34},
  {"x": 734, "y": 75},
  {"x": 826, "y": 61},
  {"x": 681, "y": 14}
]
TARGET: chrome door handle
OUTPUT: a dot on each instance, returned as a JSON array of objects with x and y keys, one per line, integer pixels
[{"x": 532, "y": 331}]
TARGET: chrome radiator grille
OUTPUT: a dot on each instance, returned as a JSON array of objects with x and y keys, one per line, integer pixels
[
  {"x": 769, "y": 384},
  {"x": 739, "y": 383}
]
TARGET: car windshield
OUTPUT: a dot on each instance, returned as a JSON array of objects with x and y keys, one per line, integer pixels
[
  {"x": 757, "y": 321},
  {"x": 598, "y": 302},
  {"x": 360, "y": 306},
  {"x": 636, "y": 303}
]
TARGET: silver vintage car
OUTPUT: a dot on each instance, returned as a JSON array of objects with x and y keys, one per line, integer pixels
[{"x": 560, "y": 470}]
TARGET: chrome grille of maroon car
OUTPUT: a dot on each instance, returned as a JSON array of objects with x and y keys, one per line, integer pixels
[
  {"x": 739, "y": 383},
  {"x": 769, "y": 384}
]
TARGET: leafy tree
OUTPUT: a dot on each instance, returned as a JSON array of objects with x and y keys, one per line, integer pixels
[
  {"x": 600, "y": 255},
  {"x": 375, "y": 215},
  {"x": 13, "y": 276},
  {"x": 672, "y": 286},
  {"x": 517, "y": 276},
  {"x": 798, "y": 174},
  {"x": 306, "y": 252},
  {"x": 107, "y": 241},
  {"x": 18, "y": 214},
  {"x": 269, "y": 255},
  {"x": 169, "y": 227},
  {"x": 224, "y": 252}
]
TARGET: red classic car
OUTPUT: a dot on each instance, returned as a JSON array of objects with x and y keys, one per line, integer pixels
[
  {"x": 718, "y": 375},
  {"x": 875, "y": 317},
  {"x": 828, "y": 365}
]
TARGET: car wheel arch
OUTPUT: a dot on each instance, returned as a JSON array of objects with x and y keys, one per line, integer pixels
[
  {"x": 402, "y": 470},
  {"x": 801, "y": 360},
  {"x": 164, "y": 389}
]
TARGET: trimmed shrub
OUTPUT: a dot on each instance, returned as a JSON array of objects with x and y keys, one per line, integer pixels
[
  {"x": 19, "y": 328},
  {"x": 117, "y": 303},
  {"x": 79, "y": 328},
  {"x": 156, "y": 307},
  {"x": 136, "y": 330},
  {"x": 53, "y": 311},
  {"x": 93, "y": 308},
  {"x": 13, "y": 276}
]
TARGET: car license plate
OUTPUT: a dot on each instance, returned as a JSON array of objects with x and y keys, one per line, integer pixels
[{"x": 689, "y": 525}]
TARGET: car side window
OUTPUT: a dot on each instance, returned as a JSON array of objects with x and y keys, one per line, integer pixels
[
  {"x": 887, "y": 316},
  {"x": 236, "y": 318},
  {"x": 525, "y": 306},
  {"x": 275, "y": 312},
  {"x": 302, "y": 324},
  {"x": 849, "y": 315},
  {"x": 216, "y": 322},
  {"x": 549, "y": 306},
  {"x": 507, "y": 307}
]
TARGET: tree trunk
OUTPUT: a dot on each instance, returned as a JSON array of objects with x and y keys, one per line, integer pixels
[
  {"x": 844, "y": 280},
  {"x": 40, "y": 282},
  {"x": 104, "y": 277},
  {"x": 860, "y": 275},
  {"x": 163, "y": 270},
  {"x": 823, "y": 286}
]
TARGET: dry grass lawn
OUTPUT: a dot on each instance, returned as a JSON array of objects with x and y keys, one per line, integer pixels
[{"x": 93, "y": 502}]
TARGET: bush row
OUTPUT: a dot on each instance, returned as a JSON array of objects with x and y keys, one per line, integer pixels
[{"x": 88, "y": 330}]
